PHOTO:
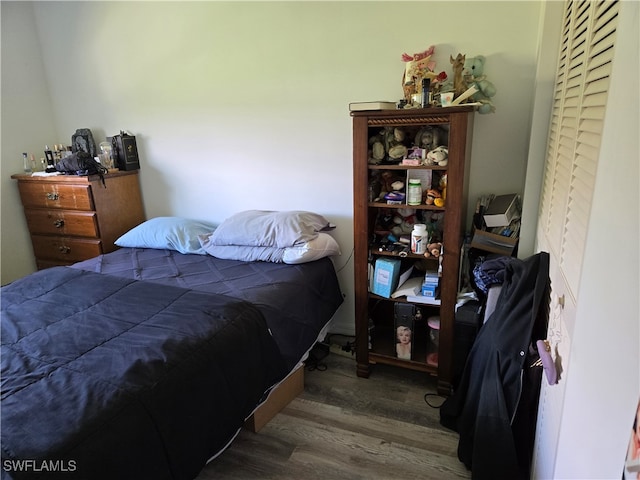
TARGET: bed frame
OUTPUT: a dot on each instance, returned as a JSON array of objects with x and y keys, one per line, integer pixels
[{"x": 279, "y": 398}]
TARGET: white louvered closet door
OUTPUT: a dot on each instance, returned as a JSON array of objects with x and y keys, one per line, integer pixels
[{"x": 573, "y": 149}]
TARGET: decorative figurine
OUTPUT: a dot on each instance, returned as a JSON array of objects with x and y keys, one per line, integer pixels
[
  {"x": 418, "y": 66},
  {"x": 82, "y": 141},
  {"x": 420, "y": 70},
  {"x": 459, "y": 85}
]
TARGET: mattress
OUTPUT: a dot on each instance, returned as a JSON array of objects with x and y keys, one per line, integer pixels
[{"x": 296, "y": 300}]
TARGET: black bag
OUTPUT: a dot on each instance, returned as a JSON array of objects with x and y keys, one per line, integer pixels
[{"x": 80, "y": 163}]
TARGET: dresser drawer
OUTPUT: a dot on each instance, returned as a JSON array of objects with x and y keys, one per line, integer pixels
[
  {"x": 62, "y": 222},
  {"x": 51, "y": 195},
  {"x": 65, "y": 249},
  {"x": 73, "y": 217}
]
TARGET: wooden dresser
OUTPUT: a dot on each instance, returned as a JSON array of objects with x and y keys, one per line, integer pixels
[{"x": 73, "y": 218}]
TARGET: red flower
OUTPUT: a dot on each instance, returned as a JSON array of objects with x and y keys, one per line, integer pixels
[{"x": 442, "y": 76}]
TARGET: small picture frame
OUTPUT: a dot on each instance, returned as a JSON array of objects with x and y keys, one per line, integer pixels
[
  {"x": 415, "y": 156},
  {"x": 417, "y": 153},
  {"x": 404, "y": 323}
]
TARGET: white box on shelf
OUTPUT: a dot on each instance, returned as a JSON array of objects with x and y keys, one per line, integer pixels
[{"x": 501, "y": 210}]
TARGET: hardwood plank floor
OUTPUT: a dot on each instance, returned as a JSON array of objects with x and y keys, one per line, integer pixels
[{"x": 345, "y": 427}]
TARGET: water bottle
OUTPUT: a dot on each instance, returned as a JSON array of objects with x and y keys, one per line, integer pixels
[{"x": 26, "y": 163}]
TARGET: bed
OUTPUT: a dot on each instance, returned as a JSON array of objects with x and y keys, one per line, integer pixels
[{"x": 146, "y": 362}]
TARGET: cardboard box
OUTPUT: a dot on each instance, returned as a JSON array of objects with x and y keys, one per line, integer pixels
[
  {"x": 502, "y": 210},
  {"x": 280, "y": 396},
  {"x": 490, "y": 242},
  {"x": 429, "y": 290},
  {"x": 386, "y": 276}
]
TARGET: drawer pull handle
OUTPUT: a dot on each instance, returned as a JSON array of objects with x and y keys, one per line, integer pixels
[
  {"x": 52, "y": 196},
  {"x": 59, "y": 223},
  {"x": 64, "y": 249}
]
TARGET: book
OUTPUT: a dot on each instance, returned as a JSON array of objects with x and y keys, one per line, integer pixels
[
  {"x": 412, "y": 286},
  {"x": 422, "y": 299},
  {"x": 385, "y": 276},
  {"x": 377, "y": 105}
]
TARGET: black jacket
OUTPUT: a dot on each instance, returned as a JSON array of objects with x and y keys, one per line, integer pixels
[{"x": 494, "y": 407}]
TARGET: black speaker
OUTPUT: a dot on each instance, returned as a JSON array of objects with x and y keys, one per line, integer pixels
[{"x": 468, "y": 321}]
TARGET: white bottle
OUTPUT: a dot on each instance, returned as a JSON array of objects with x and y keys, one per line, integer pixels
[
  {"x": 419, "y": 238},
  {"x": 414, "y": 191}
]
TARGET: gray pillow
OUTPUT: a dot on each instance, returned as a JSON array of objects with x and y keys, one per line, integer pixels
[{"x": 261, "y": 228}]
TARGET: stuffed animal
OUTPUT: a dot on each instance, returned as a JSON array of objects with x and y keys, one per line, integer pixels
[
  {"x": 403, "y": 220},
  {"x": 389, "y": 142},
  {"x": 442, "y": 185},
  {"x": 431, "y": 195},
  {"x": 398, "y": 152},
  {"x": 473, "y": 73},
  {"x": 391, "y": 181},
  {"x": 433, "y": 250},
  {"x": 438, "y": 156},
  {"x": 430, "y": 137}
]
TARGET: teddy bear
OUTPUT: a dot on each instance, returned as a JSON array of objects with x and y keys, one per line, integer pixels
[
  {"x": 403, "y": 220},
  {"x": 433, "y": 250},
  {"x": 391, "y": 182},
  {"x": 431, "y": 195},
  {"x": 430, "y": 137},
  {"x": 437, "y": 156},
  {"x": 473, "y": 72}
]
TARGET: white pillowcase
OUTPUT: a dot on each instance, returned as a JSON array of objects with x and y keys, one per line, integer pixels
[
  {"x": 171, "y": 233},
  {"x": 322, "y": 246}
]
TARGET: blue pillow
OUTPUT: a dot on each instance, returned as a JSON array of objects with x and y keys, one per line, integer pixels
[{"x": 171, "y": 233}]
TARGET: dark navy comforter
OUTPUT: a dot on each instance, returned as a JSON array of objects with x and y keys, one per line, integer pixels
[
  {"x": 296, "y": 300},
  {"x": 111, "y": 377}
]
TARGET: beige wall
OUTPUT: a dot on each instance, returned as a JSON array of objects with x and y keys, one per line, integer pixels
[
  {"x": 241, "y": 105},
  {"x": 26, "y": 120}
]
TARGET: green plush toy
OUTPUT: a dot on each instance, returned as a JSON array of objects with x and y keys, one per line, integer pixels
[{"x": 473, "y": 73}]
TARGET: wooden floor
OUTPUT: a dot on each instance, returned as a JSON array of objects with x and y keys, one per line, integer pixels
[{"x": 345, "y": 427}]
